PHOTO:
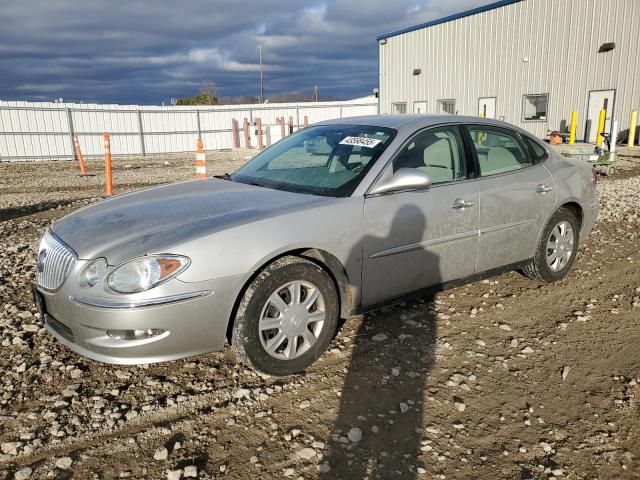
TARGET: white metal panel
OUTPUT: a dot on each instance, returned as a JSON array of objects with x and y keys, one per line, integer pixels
[
  {"x": 529, "y": 47},
  {"x": 38, "y": 130}
]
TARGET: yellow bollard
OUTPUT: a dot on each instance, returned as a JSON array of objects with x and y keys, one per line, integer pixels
[
  {"x": 573, "y": 127},
  {"x": 601, "y": 122},
  {"x": 480, "y": 136},
  {"x": 632, "y": 128}
]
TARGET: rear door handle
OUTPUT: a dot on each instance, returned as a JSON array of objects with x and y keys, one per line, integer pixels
[
  {"x": 461, "y": 203},
  {"x": 543, "y": 189}
]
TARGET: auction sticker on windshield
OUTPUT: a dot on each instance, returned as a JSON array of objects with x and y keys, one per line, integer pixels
[{"x": 360, "y": 141}]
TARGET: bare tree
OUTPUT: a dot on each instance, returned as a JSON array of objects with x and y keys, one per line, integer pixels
[{"x": 206, "y": 96}]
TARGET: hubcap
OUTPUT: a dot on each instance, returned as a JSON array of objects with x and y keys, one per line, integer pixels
[
  {"x": 560, "y": 246},
  {"x": 292, "y": 320}
]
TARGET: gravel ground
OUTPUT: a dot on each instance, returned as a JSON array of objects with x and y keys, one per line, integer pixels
[
  {"x": 45, "y": 185},
  {"x": 504, "y": 378}
]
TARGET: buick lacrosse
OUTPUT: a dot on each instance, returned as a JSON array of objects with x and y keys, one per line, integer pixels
[{"x": 336, "y": 219}]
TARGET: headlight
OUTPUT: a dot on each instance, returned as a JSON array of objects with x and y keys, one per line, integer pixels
[
  {"x": 93, "y": 273},
  {"x": 143, "y": 273}
]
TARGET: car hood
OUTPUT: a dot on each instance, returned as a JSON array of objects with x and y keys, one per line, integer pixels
[{"x": 144, "y": 221}]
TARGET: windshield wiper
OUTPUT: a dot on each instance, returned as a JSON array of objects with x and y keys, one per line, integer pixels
[{"x": 224, "y": 176}]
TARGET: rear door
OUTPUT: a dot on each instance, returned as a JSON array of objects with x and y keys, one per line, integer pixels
[{"x": 516, "y": 196}]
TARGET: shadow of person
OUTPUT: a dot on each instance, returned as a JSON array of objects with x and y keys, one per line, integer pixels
[{"x": 377, "y": 433}]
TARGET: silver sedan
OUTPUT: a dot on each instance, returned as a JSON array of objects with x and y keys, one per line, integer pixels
[{"x": 270, "y": 257}]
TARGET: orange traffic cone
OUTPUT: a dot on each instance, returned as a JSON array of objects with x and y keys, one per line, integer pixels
[
  {"x": 107, "y": 165},
  {"x": 201, "y": 161},
  {"x": 79, "y": 157}
]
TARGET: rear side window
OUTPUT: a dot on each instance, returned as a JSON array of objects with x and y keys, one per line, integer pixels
[
  {"x": 537, "y": 151},
  {"x": 499, "y": 151}
]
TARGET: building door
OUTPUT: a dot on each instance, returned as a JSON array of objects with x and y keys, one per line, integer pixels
[
  {"x": 599, "y": 99},
  {"x": 420, "y": 107},
  {"x": 487, "y": 107}
]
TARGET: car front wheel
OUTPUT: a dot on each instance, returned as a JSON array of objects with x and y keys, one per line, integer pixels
[
  {"x": 557, "y": 248},
  {"x": 286, "y": 318}
]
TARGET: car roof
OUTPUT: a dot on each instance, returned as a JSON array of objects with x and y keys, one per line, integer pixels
[{"x": 404, "y": 123}]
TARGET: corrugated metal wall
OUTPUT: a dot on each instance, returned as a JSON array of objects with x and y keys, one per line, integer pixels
[
  {"x": 529, "y": 47},
  {"x": 42, "y": 130}
]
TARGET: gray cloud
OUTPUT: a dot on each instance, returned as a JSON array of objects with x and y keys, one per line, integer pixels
[{"x": 126, "y": 51}]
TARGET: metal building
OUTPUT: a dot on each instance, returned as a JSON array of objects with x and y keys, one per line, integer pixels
[{"x": 528, "y": 62}]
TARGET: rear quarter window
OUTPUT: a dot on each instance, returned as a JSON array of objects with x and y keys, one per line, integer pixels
[{"x": 537, "y": 151}]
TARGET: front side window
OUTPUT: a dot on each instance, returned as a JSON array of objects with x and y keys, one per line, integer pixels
[
  {"x": 438, "y": 152},
  {"x": 328, "y": 160},
  {"x": 534, "y": 108},
  {"x": 498, "y": 150}
]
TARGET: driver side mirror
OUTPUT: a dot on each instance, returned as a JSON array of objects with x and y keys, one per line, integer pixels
[{"x": 403, "y": 179}]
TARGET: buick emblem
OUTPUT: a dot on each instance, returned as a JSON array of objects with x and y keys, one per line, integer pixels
[
  {"x": 296, "y": 320},
  {"x": 42, "y": 257}
]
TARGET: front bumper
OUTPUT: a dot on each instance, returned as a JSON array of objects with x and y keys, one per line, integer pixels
[{"x": 193, "y": 321}]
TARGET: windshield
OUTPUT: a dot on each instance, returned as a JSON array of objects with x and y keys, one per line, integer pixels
[{"x": 327, "y": 160}]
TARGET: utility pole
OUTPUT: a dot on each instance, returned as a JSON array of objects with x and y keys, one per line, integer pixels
[{"x": 261, "y": 77}]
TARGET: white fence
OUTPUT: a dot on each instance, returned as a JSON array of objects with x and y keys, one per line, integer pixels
[{"x": 42, "y": 130}]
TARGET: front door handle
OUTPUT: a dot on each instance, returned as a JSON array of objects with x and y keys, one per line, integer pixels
[
  {"x": 461, "y": 203},
  {"x": 543, "y": 189}
]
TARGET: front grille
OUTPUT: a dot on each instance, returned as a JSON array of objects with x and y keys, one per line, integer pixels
[{"x": 55, "y": 261}]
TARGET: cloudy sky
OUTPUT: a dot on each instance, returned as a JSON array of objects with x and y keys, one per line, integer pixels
[{"x": 131, "y": 51}]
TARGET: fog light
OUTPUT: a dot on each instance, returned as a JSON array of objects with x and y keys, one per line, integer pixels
[{"x": 135, "y": 334}]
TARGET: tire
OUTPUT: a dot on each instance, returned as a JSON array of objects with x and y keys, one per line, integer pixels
[
  {"x": 541, "y": 268},
  {"x": 282, "y": 337}
]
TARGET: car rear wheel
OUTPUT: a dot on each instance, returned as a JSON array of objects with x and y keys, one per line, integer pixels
[
  {"x": 557, "y": 248},
  {"x": 286, "y": 318}
]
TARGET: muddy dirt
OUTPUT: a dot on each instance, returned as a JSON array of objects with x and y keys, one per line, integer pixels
[{"x": 501, "y": 379}]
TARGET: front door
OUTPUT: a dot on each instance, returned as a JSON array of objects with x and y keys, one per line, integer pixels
[
  {"x": 517, "y": 194},
  {"x": 599, "y": 99},
  {"x": 416, "y": 239},
  {"x": 487, "y": 107}
]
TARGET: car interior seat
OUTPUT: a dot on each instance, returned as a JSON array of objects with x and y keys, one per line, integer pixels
[
  {"x": 432, "y": 155},
  {"x": 500, "y": 159},
  {"x": 438, "y": 160}
]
